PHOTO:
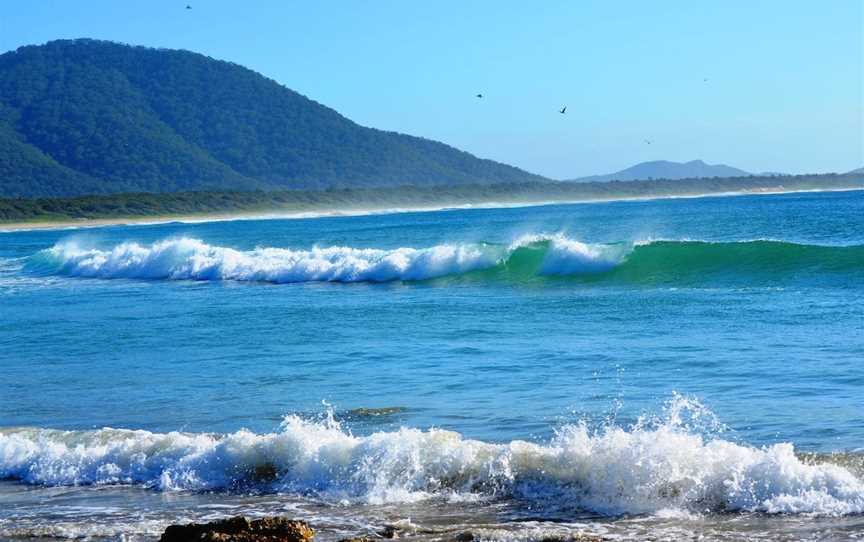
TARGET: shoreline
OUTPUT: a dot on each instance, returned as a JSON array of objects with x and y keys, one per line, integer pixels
[{"x": 155, "y": 220}]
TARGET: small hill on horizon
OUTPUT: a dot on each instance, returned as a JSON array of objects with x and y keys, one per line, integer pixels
[
  {"x": 664, "y": 169},
  {"x": 85, "y": 116}
]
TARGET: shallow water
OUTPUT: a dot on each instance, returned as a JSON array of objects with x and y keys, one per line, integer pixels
[{"x": 670, "y": 367}]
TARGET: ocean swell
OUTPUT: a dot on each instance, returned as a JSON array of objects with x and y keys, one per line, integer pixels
[
  {"x": 611, "y": 471},
  {"x": 193, "y": 259},
  {"x": 529, "y": 257}
]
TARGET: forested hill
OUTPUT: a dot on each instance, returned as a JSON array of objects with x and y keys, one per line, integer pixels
[
  {"x": 93, "y": 117},
  {"x": 664, "y": 169}
]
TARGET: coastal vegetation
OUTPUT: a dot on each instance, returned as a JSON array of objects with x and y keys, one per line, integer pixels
[
  {"x": 81, "y": 117},
  {"x": 131, "y": 205},
  {"x": 99, "y": 130}
]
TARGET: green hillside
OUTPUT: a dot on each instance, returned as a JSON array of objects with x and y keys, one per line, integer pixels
[{"x": 93, "y": 117}]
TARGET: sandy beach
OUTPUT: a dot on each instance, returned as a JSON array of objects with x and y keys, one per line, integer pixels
[{"x": 287, "y": 214}]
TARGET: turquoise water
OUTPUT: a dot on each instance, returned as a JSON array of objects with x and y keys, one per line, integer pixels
[{"x": 625, "y": 358}]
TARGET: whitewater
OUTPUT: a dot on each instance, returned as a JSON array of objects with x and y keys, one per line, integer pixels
[
  {"x": 192, "y": 259},
  {"x": 667, "y": 369},
  {"x": 611, "y": 472},
  {"x": 536, "y": 254}
]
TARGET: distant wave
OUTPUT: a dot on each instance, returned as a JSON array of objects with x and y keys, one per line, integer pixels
[
  {"x": 644, "y": 469},
  {"x": 193, "y": 259},
  {"x": 527, "y": 257}
]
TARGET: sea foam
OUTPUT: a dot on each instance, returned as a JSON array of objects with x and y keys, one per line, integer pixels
[
  {"x": 650, "y": 262},
  {"x": 192, "y": 259},
  {"x": 615, "y": 470}
]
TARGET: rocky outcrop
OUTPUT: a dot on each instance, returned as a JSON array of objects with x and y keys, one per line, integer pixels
[
  {"x": 241, "y": 529},
  {"x": 278, "y": 529}
]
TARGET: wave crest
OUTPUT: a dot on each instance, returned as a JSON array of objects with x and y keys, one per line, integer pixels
[
  {"x": 652, "y": 262},
  {"x": 612, "y": 471},
  {"x": 193, "y": 259}
]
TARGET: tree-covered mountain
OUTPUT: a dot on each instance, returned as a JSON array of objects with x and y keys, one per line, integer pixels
[
  {"x": 664, "y": 169},
  {"x": 89, "y": 117}
]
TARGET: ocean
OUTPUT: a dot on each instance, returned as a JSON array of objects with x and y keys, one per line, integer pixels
[{"x": 666, "y": 369}]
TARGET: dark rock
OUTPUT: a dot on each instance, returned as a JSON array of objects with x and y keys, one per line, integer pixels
[
  {"x": 389, "y": 531},
  {"x": 394, "y": 531},
  {"x": 466, "y": 536},
  {"x": 375, "y": 412},
  {"x": 266, "y": 472},
  {"x": 240, "y": 529}
]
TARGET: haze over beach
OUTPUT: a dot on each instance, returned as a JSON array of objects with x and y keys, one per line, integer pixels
[{"x": 440, "y": 272}]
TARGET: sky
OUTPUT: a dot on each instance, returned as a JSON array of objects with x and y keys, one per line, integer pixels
[{"x": 763, "y": 86}]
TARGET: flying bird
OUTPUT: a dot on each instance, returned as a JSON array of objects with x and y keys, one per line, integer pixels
[
  {"x": 648, "y": 142},
  {"x": 188, "y": 6},
  {"x": 479, "y": 95},
  {"x": 563, "y": 110}
]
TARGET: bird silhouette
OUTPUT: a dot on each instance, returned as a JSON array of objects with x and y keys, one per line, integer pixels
[
  {"x": 563, "y": 110},
  {"x": 188, "y": 6},
  {"x": 648, "y": 142},
  {"x": 479, "y": 95}
]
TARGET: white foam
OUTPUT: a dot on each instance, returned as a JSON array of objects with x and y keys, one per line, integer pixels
[
  {"x": 192, "y": 259},
  {"x": 613, "y": 471},
  {"x": 571, "y": 257}
]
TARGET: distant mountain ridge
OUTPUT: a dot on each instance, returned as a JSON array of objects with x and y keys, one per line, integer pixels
[
  {"x": 664, "y": 169},
  {"x": 93, "y": 117}
]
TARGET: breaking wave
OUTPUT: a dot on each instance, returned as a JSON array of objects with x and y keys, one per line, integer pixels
[
  {"x": 647, "y": 468},
  {"x": 527, "y": 258}
]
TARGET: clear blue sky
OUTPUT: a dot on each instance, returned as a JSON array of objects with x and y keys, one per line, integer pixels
[{"x": 785, "y": 89}]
